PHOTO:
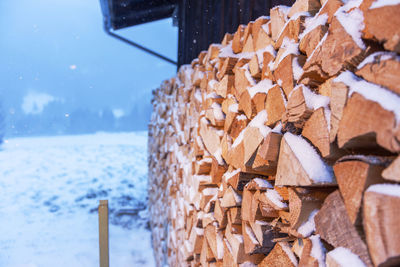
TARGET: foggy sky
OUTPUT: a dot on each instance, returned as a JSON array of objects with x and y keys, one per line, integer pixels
[{"x": 58, "y": 48}]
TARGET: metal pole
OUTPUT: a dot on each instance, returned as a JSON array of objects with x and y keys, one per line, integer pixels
[
  {"x": 103, "y": 234},
  {"x": 151, "y": 52}
]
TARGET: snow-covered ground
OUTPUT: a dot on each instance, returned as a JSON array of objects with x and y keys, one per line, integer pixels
[{"x": 49, "y": 193}]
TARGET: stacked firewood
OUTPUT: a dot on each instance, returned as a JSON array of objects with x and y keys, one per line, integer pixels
[{"x": 280, "y": 146}]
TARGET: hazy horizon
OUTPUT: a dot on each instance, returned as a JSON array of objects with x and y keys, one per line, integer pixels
[{"x": 57, "y": 60}]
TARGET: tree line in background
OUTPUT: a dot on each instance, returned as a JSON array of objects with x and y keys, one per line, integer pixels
[{"x": 56, "y": 120}]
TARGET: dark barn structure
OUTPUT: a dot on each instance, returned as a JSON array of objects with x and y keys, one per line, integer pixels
[{"x": 200, "y": 22}]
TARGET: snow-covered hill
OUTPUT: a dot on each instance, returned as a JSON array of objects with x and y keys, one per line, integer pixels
[{"x": 49, "y": 192}]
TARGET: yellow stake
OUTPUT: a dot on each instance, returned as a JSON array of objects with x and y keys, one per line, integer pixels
[{"x": 103, "y": 233}]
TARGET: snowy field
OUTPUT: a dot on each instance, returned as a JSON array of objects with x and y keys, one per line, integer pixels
[{"x": 49, "y": 193}]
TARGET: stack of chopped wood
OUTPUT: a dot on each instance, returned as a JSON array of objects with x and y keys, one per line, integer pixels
[{"x": 280, "y": 146}]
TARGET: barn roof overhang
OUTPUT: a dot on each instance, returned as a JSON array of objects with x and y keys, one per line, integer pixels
[{"x": 119, "y": 14}]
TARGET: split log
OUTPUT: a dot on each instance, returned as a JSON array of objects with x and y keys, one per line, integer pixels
[
  {"x": 278, "y": 20},
  {"x": 242, "y": 80},
  {"x": 267, "y": 64},
  {"x": 230, "y": 118},
  {"x": 234, "y": 215},
  {"x": 252, "y": 139},
  {"x": 257, "y": 26},
  {"x": 316, "y": 130},
  {"x": 220, "y": 214},
  {"x": 302, "y": 203},
  {"x": 286, "y": 71},
  {"x": 330, "y": 7},
  {"x": 210, "y": 138},
  {"x": 215, "y": 241},
  {"x": 338, "y": 92},
  {"x": 381, "y": 223},
  {"x": 265, "y": 159},
  {"x": 281, "y": 255},
  {"x": 228, "y": 259},
  {"x": 251, "y": 244},
  {"x": 273, "y": 199},
  {"x": 258, "y": 102},
  {"x": 237, "y": 42},
  {"x": 196, "y": 239},
  {"x": 323, "y": 64},
  {"x": 248, "y": 46},
  {"x": 248, "y": 31},
  {"x": 245, "y": 104},
  {"x": 206, "y": 254},
  {"x": 231, "y": 199},
  {"x": 236, "y": 155},
  {"x": 312, "y": 252},
  {"x": 225, "y": 86},
  {"x": 309, "y": 41},
  {"x": 213, "y": 51},
  {"x": 226, "y": 144},
  {"x": 382, "y": 68},
  {"x": 295, "y": 170},
  {"x": 266, "y": 209},
  {"x": 380, "y": 22},
  {"x": 262, "y": 39},
  {"x": 238, "y": 179},
  {"x": 275, "y": 105},
  {"x": 334, "y": 226},
  {"x": 366, "y": 124},
  {"x": 217, "y": 171},
  {"x": 215, "y": 115},
  {"x": 310, "y": 6},
  {"x": 297, "y": 247},
  {"x": 248, "y": 202},
  {"x": 227, "y": 38},
  {"x": 265, "y": 235},
  {"x": 354, "y": 175},
  {"x": 236, "y": 242},
  {"x": 297, "y": 110},
  {"x": 203, "y": 166},
  {"x": 254, "y": 67},
  {"x": 392, "y": 172},
  {"x": 291, "y": 30}
]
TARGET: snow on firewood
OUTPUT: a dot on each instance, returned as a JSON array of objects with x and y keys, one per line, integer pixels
[
  {"x": 346, "y": 258},
  {"x": 259, "y": 122},
  {"x": 290, "y": 47},
  {"x": 275, "y": 198},
  {"x": 382, "y": 3},
  {"x": 263, "y": 184},
  {"x": 370, "y": 91},
  {"x": 386, "y": 189},
  {"x": 312, "y": 163},
  {"x": 381, "y": 56},
  {"x": 352, "y": 20},
  {"x": 261, "y": 87},
  {"x": 286, "y": 248},
  {"x": 318, "y": 250},
  {"x": 313, "y": 22},
  {"x": 308, "y": 227}
]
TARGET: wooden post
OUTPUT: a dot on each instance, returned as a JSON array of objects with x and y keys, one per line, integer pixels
[{"x": 103, "y": 233}]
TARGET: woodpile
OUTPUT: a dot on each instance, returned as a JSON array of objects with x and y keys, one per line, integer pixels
[{"x": 280, "y": 146}]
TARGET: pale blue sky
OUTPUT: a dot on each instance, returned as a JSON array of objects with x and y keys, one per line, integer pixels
[{"x": 58, "y": 47}]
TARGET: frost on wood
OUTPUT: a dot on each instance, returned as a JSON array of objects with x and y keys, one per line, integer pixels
[
  {"x": 303, "y": 165},
  {"x": 343, "y": 257},
  {"x": 244, "y": 141}
]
